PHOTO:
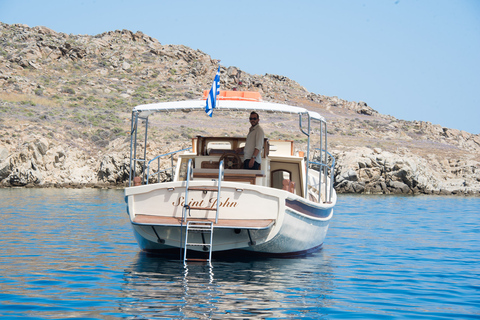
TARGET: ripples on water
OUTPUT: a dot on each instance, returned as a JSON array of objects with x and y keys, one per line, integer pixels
[{"x": 71, "y": 254}]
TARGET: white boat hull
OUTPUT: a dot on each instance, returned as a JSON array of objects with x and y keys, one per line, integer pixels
[
  {"x": 298, "y": 235},
  {"x": 281, "y": 223}
]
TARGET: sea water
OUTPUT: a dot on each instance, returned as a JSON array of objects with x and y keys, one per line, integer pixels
[{"x": 71, "y": 254}]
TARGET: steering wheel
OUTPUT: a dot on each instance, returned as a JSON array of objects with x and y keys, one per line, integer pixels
[{"x": 231, "y": 160}]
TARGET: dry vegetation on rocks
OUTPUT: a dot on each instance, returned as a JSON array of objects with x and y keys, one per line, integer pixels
[{"x": 65, "y": 104}]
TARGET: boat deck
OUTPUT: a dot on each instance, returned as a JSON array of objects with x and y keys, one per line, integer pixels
[{"x": 145, "y": 219}]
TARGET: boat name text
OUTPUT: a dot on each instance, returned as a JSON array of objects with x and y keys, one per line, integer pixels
[{"x": 211, "y": 203}]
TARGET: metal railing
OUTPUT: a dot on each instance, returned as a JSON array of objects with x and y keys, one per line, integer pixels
[
  {"x": 324, "y": 167},
  {"x": 221, "y": 173},
  {"x": 186, "y": 207},
  {"x": 158, "y": 158}
]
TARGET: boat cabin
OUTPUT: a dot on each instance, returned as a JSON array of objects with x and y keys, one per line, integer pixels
[{"x": 280, "y": 167}]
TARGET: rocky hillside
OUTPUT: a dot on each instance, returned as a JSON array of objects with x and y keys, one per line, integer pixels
[{"x": 65, "y": 103}]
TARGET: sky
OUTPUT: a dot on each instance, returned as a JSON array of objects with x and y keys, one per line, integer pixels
[{"x": 411, "y": 59}]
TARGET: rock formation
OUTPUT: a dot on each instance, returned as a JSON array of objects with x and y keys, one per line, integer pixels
[
  {"x": 374, "y": 171},
  {"x": 65, "y": 104}
]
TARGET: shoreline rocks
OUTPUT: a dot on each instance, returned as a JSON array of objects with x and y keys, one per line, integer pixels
[
  {"x": 43, "y": 164},
  {"x": 374, "y": 171}
]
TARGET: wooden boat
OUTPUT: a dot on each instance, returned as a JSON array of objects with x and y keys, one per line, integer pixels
[{"x": 210, "y": 204}]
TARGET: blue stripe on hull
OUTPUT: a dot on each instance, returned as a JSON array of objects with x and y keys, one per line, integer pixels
[{"x": 308, "y": 210}]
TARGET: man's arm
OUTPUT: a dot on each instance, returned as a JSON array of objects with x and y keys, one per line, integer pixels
[{"x": 252, "y": 159}]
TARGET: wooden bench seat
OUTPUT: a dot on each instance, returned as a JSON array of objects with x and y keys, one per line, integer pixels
[
  {"x": 222, "y": 223},
  {"x": 234, "y": 175}
]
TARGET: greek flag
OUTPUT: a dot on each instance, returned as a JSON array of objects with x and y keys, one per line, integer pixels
[{"x": 212, "y": 96}]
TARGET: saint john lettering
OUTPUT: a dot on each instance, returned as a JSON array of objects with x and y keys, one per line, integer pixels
[{"x": 211, "y": 203}]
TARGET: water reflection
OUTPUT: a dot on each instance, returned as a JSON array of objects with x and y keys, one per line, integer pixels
[{"x": 156, "y": 287}]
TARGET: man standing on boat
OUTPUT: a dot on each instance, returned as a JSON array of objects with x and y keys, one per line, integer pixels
[{"x": 254, "y": 144}]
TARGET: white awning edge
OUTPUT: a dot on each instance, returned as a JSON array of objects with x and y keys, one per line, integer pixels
[{"x": 224, "y": 105}]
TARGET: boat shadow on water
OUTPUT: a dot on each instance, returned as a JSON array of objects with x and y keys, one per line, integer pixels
[{"x": 234, "y": 286}]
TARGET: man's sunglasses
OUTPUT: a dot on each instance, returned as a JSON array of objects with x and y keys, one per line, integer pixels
[{"x": 253, "y": 118}]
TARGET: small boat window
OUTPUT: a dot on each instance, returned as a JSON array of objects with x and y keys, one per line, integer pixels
[
  {"x": 278, "y": 176},
  {"x": 217, "y": 147}
]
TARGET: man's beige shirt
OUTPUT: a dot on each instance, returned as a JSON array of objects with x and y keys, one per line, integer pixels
[{"x": 254, "y": 141}]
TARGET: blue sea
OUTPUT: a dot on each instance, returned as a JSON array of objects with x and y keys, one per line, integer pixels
[{"x": 71, "y": 254}]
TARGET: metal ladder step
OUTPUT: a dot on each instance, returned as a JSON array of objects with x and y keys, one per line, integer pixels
[
  {"x": 198, "y": 244},
  {"x": 198, "y": 260},
  {"x": 203, "y": 227},
  {"x": 198, "y": 229}
]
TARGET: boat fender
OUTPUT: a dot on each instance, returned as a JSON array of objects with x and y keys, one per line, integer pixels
[{"x": 137, "y": 181}]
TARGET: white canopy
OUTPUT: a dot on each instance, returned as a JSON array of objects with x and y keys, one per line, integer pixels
[{"x": 222, "y": 105}]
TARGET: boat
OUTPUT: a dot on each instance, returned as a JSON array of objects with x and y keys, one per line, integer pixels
[{"x": 205, "y": 203}]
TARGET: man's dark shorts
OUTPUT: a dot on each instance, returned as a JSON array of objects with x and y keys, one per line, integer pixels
[{"x": 256, "y": 165}]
